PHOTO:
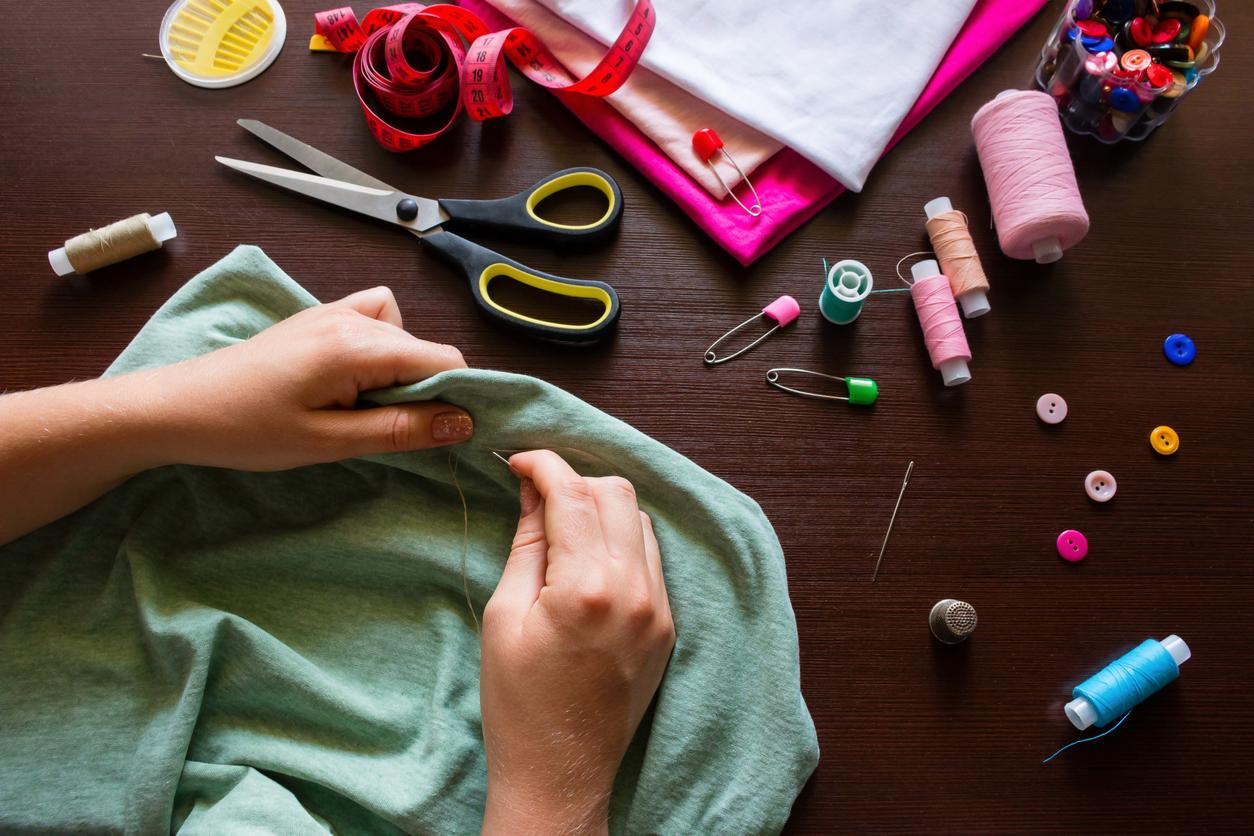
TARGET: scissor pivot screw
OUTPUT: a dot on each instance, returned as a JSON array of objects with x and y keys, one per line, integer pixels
[{"x": 407, "y": 209}]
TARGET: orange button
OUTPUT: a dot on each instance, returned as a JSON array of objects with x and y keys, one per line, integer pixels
[{"x": 1164, "y": 440}]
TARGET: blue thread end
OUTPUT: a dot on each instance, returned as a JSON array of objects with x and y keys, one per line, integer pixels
[{"x": 1087, "y": 739}]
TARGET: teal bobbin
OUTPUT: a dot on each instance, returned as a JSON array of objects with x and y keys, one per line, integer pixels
[{"x": 845, "y": 289}]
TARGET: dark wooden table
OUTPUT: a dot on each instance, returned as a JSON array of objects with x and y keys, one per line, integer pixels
[{"x": 914, "y": 736}]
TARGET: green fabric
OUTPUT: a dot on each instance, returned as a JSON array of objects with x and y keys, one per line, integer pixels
[{"x": 211, "y": 651}]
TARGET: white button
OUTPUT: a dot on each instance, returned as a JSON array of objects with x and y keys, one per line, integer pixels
[
  {"x": 1051, "y": 408},
  {"x": 1100, "y": 486}
]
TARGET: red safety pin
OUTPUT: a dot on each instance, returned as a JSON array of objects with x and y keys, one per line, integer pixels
[{"x": 706, "y": 142}]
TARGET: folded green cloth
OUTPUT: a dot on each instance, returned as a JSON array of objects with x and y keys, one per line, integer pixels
[{"x": 211, "y": 651}]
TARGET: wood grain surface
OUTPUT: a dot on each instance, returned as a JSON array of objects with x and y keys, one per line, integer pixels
[{"x": 914, "y": 736}]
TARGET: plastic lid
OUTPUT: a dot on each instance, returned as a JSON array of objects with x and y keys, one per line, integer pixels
[
  {"x": 60, "y": 262},
  {"x": 955, "y": 372},
  {"x": 974, "y": 303},
  {"x": 1177, "y": 648},
  {"x": 1047, "y": 250},
  {"x": 1081, "y": 713},
  {"x": 162, "y": 227},
  {"x": 937, "y": 206},
  {"x": 925, "y": 269}
]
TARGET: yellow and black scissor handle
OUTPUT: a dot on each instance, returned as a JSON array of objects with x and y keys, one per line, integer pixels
[
  {"x": 481, "y": 266},
  {"x": 517, "y": 217}
]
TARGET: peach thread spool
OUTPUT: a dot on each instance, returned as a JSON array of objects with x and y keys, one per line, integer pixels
[{"x": 955, "y": 250}]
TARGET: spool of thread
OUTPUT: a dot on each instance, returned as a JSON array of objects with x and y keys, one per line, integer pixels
[
  {"x": 116, "y": 242},
  {"x": 845, "y": 290},
  {"x": 1031, "y": 183},
  {"x": 942, "y": 328},
  {"x": 947, "y": 230},
  {"x": 1126, "y": 682},
  {"x": 952, "y": 621}
]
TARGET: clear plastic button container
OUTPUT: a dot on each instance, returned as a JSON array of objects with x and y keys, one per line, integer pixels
[{"x": 1104, "y": 92}]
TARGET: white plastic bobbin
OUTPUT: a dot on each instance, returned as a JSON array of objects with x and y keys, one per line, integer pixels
[
  {"x": 954, "y": 372},
  {"x": 845, "y": 289},
  {"x": 975, "y": 301},
  {"x": 160, "y": 226},
  {"x": 1083, "y": 714}
]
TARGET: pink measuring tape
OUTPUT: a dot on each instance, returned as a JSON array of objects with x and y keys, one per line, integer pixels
[{"x": 414, "y": 61}]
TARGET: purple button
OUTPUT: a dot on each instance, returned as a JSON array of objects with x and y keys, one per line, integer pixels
[
  {"x": 1051, "y": 408},
  {"x": 1072, "y": 545}
]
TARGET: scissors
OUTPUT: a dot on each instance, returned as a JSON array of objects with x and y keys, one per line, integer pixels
[{"x": 342, "y": 185}]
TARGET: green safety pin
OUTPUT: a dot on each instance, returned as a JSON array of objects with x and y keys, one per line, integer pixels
[{"x": 862, "y": 390}]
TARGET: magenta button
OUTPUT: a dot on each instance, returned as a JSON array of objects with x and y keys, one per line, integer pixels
[{"x": 1072, "y": 545}]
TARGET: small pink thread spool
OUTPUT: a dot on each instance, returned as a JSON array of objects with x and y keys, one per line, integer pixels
[
  {"x": 942, "y": 327},
  {"x": 1031, "y": 182}
]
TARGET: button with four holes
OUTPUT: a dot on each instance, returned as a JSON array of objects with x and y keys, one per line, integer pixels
[
  {"x": 1072, "y": 545},
  {"x": 1164, "y": 440},
  {"x": 1051, "y": 408},
  {"x": 1179, "y": 349},
  {"x": 1100, "y": 486}
]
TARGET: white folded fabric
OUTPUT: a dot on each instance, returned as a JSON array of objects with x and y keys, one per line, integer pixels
[
  {"x": 831, "y": 79},
  {"x": 662, "y": 111}
]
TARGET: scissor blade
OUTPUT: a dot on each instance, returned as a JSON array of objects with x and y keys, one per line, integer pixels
[
  {"x": 311, "y": 157},
  {"x": 376, "y": 203}
]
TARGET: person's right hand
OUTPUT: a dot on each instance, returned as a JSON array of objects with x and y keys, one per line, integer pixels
[
  {"x": 287, "y": 397},
  {"x": 575, "y": 641}
]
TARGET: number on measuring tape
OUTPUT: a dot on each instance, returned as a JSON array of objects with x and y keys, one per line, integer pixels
[{"x": 415, "y": 61}]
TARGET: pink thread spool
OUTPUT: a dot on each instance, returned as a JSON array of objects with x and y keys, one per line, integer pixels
[
  {"x": 1031, "y": 183},
  {"x": 942, "y": 327}
]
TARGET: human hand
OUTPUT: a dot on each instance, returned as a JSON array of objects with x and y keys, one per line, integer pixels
[
  {"x": 575, "y": 641},
  {"x": 286, "y": 397}
]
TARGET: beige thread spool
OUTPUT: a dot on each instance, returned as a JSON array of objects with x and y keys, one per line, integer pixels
[
  {"x": 959, "y": 260},
  {"x": 116, "y": 242}
]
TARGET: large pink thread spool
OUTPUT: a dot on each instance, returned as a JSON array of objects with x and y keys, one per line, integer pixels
[
  {"x": 1031, "y": 183},
  {"x": 943, "y": 335}
]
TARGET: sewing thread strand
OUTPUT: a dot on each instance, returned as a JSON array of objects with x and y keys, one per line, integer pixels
[{"x": 1087, "y": 739}]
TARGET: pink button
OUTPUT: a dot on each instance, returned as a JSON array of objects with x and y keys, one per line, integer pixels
[
  {"x": 1100, "y": 486},
  {"x": 783, "y": 310},
  {"x": 1051, "y": 408},
  {"x": 1072, "y": 545}
]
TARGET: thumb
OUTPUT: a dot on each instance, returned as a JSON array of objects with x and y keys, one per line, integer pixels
[
  {"x": 523, "y": 577},
  {"x": 394, "y": 429}
]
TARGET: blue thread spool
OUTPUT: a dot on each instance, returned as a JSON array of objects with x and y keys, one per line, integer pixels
[
  {"x": 845, "y": 289},
  {"x": 1126, "y": 682}
]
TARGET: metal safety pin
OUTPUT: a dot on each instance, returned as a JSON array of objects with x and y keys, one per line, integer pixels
[
  {"x": 782, "y": 311},
  {"x": 862, "y": 390},
  {"x": 706, "y": 142}
]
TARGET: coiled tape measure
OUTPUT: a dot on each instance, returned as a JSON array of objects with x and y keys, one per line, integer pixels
[{"x": 410, "y": 63}]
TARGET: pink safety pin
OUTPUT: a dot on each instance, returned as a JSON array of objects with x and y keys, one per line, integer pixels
[
  {"x": 706, "y": 142},
  {"x": 782, "y": 312}
]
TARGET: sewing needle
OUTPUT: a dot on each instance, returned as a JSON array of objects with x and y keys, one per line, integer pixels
[{"x": 892, "y": 519}]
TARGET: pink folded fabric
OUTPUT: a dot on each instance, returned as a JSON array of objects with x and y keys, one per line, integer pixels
[
  {"x": 668, "y": 114},
  {"x": 792, "y": 189}
]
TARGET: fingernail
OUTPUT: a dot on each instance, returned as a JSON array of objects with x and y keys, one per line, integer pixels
[{"x": 452, "y": 426}]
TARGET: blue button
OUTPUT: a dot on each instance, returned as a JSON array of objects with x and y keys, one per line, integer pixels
[
  {"x": 1124, "y": 100},
  {"x": 1179, "y": 349}
]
